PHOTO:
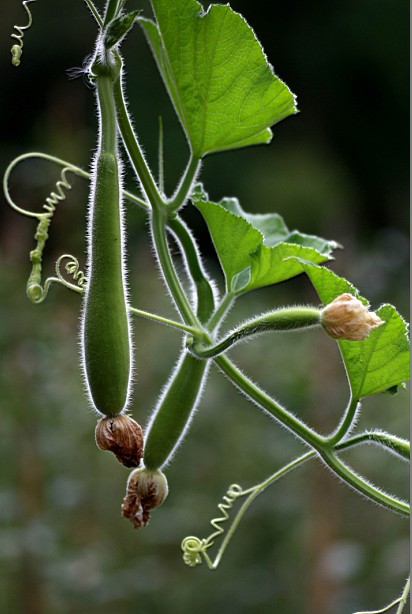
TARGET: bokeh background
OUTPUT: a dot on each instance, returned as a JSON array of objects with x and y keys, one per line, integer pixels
[{"x": 338, "y": 169}]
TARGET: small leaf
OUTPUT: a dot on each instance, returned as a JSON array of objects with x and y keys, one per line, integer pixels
[
  {"x": 274, "y": 229},
  {"x": 225, "y": 92},
  {"x": 246, "y": 260},
  {"x": 380, "y": 362},
  {"x": 118, "y": 28}
]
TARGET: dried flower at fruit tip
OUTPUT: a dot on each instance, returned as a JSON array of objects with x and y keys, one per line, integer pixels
[
  {"x": 145, "y": 491},
  {"x": 123, "y": 436},
  {"x": 348, "y": 318}
]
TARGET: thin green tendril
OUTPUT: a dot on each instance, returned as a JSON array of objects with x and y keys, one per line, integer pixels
[
  {"x": 72, "y": 268},
  {"x": 400, "y": 602},
  {"x": 17, "y": 48},
  {"x": 37, "y": 292},
  {"x": 194, "y": 548}
]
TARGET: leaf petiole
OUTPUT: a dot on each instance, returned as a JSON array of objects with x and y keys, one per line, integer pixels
[{"x": 172, "y": 323}]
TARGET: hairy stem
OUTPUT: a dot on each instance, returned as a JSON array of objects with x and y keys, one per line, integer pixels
[
  {"x": 361, "y": 485},
  {"x": 221, "y": 311},
  {"x": 204, "y": 290},
  {"x": 133, "y": 149},
  {"x": 310, "y": 437},
  {"x": 280, "y": 320},
  {"x": 183, "y": 190},
  {"x": 261, "y": 398},
  {"x": 345, "y": 423},
  {"x": 151, "y": 316},
  {"x": 158, "y": 224}
]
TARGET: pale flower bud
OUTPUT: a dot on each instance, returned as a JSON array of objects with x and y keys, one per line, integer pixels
[
  {"x": 145, "y": 490},
  {"x": 123, "y": 436},
  {"x": 347, "y": 318}
]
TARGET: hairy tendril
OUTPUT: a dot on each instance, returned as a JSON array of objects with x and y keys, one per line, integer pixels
[{"x": 17, "y": 48}]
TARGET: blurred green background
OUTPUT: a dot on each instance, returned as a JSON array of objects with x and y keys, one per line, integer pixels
[{"x": 338, "y": 169}]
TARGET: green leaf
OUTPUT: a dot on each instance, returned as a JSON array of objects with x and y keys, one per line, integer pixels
[
  {"x": 246, "y": 260},
  {"x": 274, "y": 229},
  {"x": 225, "y": 92},
  {"x": 379, "y": 363}
]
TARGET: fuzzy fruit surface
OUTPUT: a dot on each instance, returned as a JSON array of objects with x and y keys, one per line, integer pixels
[
  {"x": 106, "y": 326},
  {"x": 174, "y": 412}
]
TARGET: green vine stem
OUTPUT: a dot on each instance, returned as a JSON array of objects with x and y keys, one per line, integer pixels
[
  {"x": 294, "y": 424},
  {"x": 193, "y": 547},
  {"x": 400, "y": 602},
  {"x": 280, "y": 320},
  {"x": 398, "y": 446},
  {"x": 158, "y": 224},
  {"x": 95, "y": 13},
  {"x": 310, "y": 437},
  {"x": 220, "y": 313},
  {"x": 262, "y": 399},
  {"x": 185, "y": 185},
  {"x": 204, "y": 288},
  {"x": 362, "y": 485},
  {"x": 133, "y": 149},
  {"x": 113, "y": 8},
  {"x": 346, "y": 423},
  {"x": 155, "y": 318}
]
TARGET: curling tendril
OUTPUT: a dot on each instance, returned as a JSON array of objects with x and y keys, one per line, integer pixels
[
  {"x": 194, "y": 548},
  {"x": 17, "y": 48},
  {"x": 36, "y": 292}
]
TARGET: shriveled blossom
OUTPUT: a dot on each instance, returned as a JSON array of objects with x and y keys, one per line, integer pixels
[
  {"x": 348, "y": 318},
  {"x": 123, "y": 436},
  {"x": 145, "y": 491}
]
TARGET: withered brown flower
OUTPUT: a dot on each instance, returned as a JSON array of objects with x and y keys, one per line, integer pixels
[
  {"x": 145, "y": 491},
  {"x": 123, "y": 436}
]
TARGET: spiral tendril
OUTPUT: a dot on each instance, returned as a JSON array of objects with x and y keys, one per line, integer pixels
[
  {"x": 72, "y": 268},
  {"x": 17, "y": 48},
  {"x": 193, "y": 547},
  {"x": 36, "y": 292},
  {"x": 60, "y": 195},
  {"x": 234, "y": 492}
]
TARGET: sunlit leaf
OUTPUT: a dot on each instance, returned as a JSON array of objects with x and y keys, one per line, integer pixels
[
  {"x": 225, "y": 92},
  {"x": 246, "y": 260},
  {"x": 274, "y": 229}
]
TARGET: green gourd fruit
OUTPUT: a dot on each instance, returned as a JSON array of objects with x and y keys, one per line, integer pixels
[{"x": 106, "y": 344}]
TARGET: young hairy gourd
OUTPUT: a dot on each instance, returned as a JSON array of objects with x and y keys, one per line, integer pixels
[
  {"x": 179, "y": 399},
  {"x": 106, "y": 345},
  {"x": 174, "y": 411}
]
